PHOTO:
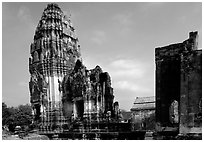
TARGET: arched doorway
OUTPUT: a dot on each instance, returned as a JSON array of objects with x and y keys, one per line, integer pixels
[{"x": 174, "y": 112}]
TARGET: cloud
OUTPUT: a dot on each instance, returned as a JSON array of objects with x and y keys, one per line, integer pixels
[
  {"x": 98, "y": 37},
  {"x": 127, "y": 68},
  {"x": 131, "y": 86},
  {"x": 129, "y": 74},
  {"x": 24, "y": 15},
  {"x": 90, "y": 62},
  {"x": 129, "y": 77}
]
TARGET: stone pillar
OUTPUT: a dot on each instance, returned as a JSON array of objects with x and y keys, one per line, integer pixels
[
  {"x": 191, "y": 94},
  {"x": 90, "y": 105},
  {"x": 85, "y": 106},
  {"x": 158, "y": 93},
  {"x": 103, "y": 97},
  {"x": 75, "y": 110},
  {"x": 42, "y": 113},
  {"x": 97, "y": 103}
]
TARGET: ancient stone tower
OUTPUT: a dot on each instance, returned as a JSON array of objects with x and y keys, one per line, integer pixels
[
  {"x": 54, "y": 52},
  {"x": 62, "y": 90},
  {"x": 179, "y": 88}
]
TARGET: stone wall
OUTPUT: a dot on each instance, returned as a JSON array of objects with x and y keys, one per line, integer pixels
[
  {"x": 191, "y": 93},
  {"x": 179, "y": 87},
  {"x": 89, "y": 92},
  {"x": 143, "y": 119}
]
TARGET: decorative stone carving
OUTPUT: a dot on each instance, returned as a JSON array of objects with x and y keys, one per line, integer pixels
[
  {"x": 60, "y": 84},
  {"x": 91, "y": 87}
]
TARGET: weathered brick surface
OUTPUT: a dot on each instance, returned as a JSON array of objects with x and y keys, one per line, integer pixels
[
  {"x": 191, "y": 93},
  {"x": 179, "y": 78}
]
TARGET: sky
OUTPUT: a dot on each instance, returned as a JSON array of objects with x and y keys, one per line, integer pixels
[{"x": 119, "y": 37}]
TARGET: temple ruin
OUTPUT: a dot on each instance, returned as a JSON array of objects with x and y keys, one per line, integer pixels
[
  {"x": 68, "y": 100},
  {"x": 142, "y": 110},
  {"x": 54, "y": 51},
  {"x": 179, "y": 90}
]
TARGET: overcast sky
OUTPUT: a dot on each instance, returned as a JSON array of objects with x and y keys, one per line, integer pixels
[{"x": 119, "y": 37}]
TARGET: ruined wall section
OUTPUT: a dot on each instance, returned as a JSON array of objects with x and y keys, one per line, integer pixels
[
  {"x": 191, "y": 93},
  {"x": 88, "y": 93},
  {"x": 167, "y": 81},
  {"x": 178, "y": 86}
]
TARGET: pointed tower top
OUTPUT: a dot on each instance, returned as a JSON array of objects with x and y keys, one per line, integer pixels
[
  {"x": 56, "y": 28},
  {"x": 54, "y": 19}
]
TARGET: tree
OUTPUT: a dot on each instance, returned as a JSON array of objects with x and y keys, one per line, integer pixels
[
  {"x": 16, "y": 116},
  {"x": 8, "y": 116},
  {"x": 6, "y": 113},
  {"x": 150, "y": 122},
  {"x": 23, "y": 115}
]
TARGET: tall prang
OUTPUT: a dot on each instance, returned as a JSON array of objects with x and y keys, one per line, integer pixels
[
  {"x": 63, "y": 92},
  {"x": 54, "y": 52}
]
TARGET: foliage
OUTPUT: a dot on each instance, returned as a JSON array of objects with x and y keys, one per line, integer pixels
[
  {"x": 5, "y": 113},
  {"x": 16, "y": 116},
  {"x": 150, "y": 122},
  {"x": 23, "y": 115}
]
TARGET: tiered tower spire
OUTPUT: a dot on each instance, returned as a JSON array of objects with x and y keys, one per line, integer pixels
[
  {"x": 62, "y": 90},
  {"x": 54, "y": 51}
]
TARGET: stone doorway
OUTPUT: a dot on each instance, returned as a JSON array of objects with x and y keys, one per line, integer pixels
[{"x": 174, "y": 112}]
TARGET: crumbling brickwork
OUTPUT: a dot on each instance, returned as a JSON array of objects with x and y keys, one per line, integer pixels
[
  {"x": 88, "y": 92},
  {"x": 179, "y": 87},
  {"x": 143, "y": 113},
  {"x": 191, "y": 93}
]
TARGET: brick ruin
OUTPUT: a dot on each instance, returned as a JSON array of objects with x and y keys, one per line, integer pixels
[
  {"x": 179, "y": 89},
  {"x": 143, "y": 113},
  {"x": 62, "y": 90}
]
